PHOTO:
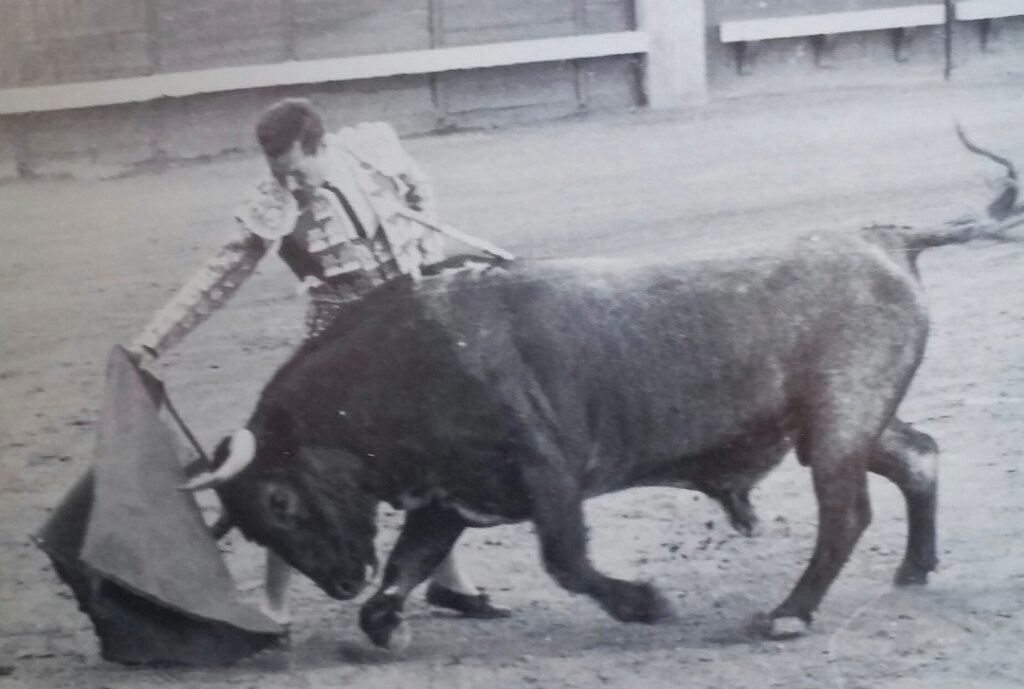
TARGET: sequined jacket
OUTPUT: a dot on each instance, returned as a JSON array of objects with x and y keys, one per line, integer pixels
[{"x": 368, "y": 165}]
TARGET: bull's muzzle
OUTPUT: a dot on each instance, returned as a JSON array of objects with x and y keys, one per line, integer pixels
[
  {"x": 242, "y": 450},
  {"x": 344, "y": 589}
]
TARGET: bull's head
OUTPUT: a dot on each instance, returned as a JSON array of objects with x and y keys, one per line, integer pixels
[{"x": 311, "y": 505}]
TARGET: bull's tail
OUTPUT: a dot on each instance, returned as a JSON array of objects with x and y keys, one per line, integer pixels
[
  {"x": 1004, "y": 205},
  {"x": 1003, "y": 215},
  {"x": 917, "y": 239}
]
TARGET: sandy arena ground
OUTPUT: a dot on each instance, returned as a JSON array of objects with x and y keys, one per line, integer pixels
[{"x": 84, "y": 264}]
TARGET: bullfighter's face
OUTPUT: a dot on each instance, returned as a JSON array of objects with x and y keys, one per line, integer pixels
[
  {"x": 308, "y": 507},
  {"x": 297, "y": 170}
]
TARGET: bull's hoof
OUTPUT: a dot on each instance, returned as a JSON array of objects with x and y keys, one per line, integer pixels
[
  {"x": 750, "y": 528},
  {"x": 478, "y": 607},
  {"x": 627, "y": 601},
  {"x": 381, "y": 619},
  {"x": 401, "y": 637},
  {"x": 911, "y": 574},
  {"x": 741, "y": 513},
  {"x": 779, "y": 628}
]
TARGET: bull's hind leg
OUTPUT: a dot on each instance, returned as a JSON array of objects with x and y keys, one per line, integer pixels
[
  {"x": 558, "y": 517},
  {"x": 837, "y": 449},
  {"x": 909, "y": 459}
]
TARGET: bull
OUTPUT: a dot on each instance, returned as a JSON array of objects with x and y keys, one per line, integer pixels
[{"x": 515, "y": 394}]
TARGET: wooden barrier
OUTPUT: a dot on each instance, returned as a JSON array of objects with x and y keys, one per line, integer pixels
[
  {"x": 832, "y": 23},
  {"x": 140, "y": 89},
  {"x": 741, "y": 31},
  {"x": 984, "y": 12}
]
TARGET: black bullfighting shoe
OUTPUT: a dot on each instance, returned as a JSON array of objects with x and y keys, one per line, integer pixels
[{"x": 478, "y": 606}]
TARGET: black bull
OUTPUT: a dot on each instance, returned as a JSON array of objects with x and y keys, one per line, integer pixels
[{"x": 514, "y": 395}]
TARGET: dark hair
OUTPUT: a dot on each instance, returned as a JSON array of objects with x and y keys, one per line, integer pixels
[{"x": 288, "y": 121}]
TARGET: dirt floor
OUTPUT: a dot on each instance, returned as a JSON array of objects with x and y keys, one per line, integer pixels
[{"x": 84, "y": 264}]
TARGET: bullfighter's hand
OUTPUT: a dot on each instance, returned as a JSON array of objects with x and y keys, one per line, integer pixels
[
  {"x": 143, "y": 357},
  {"x": 308, "y": 283}
]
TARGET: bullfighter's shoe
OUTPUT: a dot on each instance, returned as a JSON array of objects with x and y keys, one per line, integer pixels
[{"x": 478, "y": 606}]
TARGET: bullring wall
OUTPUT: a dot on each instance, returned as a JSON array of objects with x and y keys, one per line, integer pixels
[
  {"x": 47, "y": 42},
  {"x": 51, "y": 42}
]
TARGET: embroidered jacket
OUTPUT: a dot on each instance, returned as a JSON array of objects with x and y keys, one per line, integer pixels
[{"x": 348, "y": 226}]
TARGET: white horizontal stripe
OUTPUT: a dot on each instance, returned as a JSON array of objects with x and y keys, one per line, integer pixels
[
  {"x": 836, "y": 22},
  {"x": 138, "y": 89},
  {"x": 988, "y": 9}
]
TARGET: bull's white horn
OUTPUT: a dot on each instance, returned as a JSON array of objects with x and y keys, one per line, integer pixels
[{"x": 242, "y": 452}]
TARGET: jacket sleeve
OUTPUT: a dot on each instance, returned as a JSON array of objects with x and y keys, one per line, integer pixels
[
  {"x": 420, "y": 197},
  {"x": 419, "y": 194},
  {"x": 209, "y": 289},
  {"x": 378, "y": 144}
]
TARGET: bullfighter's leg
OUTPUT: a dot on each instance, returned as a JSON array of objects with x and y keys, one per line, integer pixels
[
  {"x": 838, "y": 457},
  {"x": 426, "y": 539},
  {"x": 909, "y": 458},
  {"x": 558, "y": 517},
  {"x": 450, "y": 587},
  {"x": 451, "y": 575}
]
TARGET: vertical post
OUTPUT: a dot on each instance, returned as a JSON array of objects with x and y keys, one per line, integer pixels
[
  {"x": 948, "y": 38},
  {"x": 579, "y": 21},
  {"x": 290, "y": 30},
  {"x": 676, "y": 68},
  {"x": 435, "y": 19},
  {"x": 12, "y": 148},
  {"x": 153, "y": 36},
  {"x": 11, "y": 145}
]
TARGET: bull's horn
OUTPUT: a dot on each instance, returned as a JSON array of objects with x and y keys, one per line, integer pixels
[{"x": 242, "y": 452}]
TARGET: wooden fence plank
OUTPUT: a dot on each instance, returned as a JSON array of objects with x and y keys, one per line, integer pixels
[
  {"x": 214, "y": 33},
  {"x": 101, "y": 56},
  {"x": 10, "y": 44},
  {"x": 508, "y": 87},
  {"x": 609, "y": 15},
  {"x": 327, "y": 28},
  {"x": 469, "y": 15},
  {"x": 469, "y": 22}
]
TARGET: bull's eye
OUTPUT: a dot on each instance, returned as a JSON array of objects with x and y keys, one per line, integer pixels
[{"x": 281, "y": 505}]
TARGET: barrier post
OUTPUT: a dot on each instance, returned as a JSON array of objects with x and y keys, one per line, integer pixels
[{"x": 675, "y": 70}]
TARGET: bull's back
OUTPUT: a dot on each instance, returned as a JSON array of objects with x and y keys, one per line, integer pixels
[
  {"x": 620, "y": 365},
  {"x": 631, "y": 361}
]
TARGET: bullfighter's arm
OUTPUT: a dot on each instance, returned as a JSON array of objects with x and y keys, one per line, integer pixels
[
  {"x": 421, "y": 199},
  {"x": 415, "y": 200},
  {"x": 418, "y": 195},
  {"x": 209, "y": 289}
]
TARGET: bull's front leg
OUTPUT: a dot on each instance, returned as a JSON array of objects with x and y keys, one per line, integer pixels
[
  {"x": 427, "y": 536},
  {"x": 558, "y": 517}
]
